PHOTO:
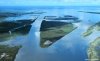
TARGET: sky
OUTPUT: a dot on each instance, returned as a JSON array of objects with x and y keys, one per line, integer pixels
[{"x": 49, "y": 2}]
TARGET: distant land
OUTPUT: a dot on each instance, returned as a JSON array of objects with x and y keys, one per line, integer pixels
[{"x": 44, "y": 7}]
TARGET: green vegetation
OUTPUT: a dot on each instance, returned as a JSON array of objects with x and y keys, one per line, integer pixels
[
  {"x": 52, "y": 33},
  {"x": 91, "y": 29},
  {"x": 94, "y": 47},
  {"x": 94, "y": 50},
  {"x": 8, "y": 53},
  {"x": 12, "y": 34}
]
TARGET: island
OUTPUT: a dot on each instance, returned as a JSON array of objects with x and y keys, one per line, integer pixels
[
  {"x": 10, "y": 29},
  {"x": 23, "y": 31},
  {"x": 52, "y": 31},
  {"x": 8, "y": 53},
  {"x": 94, "y": 50},
  {"x": 9, "y": 26},
  {"x": 65, "y": 18},
  {"x": 91, "y": 29},
  {"x": 91, "y": 12},
  {"x": 16, "y": 14}
]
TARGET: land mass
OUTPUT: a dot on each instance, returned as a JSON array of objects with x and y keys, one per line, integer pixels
[
  {"x": 94, "y": 47},
  {"x": 94, "y": 50},
  {"x": 91, "y": 29},
  {"x": 90, "y": 12},
  {"x": 51, "y": 31},
  {"x": 8, "y": 53}
]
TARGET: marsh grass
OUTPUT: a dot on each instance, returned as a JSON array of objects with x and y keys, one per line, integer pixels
[
  {"x": 9, "y": 51},
  {"x": 55, "y": 33},
  {"x": 94, "y": 50}
]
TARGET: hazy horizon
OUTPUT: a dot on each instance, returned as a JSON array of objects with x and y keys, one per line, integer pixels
[{"x": 49, "y": 3}]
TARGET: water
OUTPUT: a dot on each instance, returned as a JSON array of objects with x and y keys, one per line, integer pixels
[{"x": 72, "y": 47}]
